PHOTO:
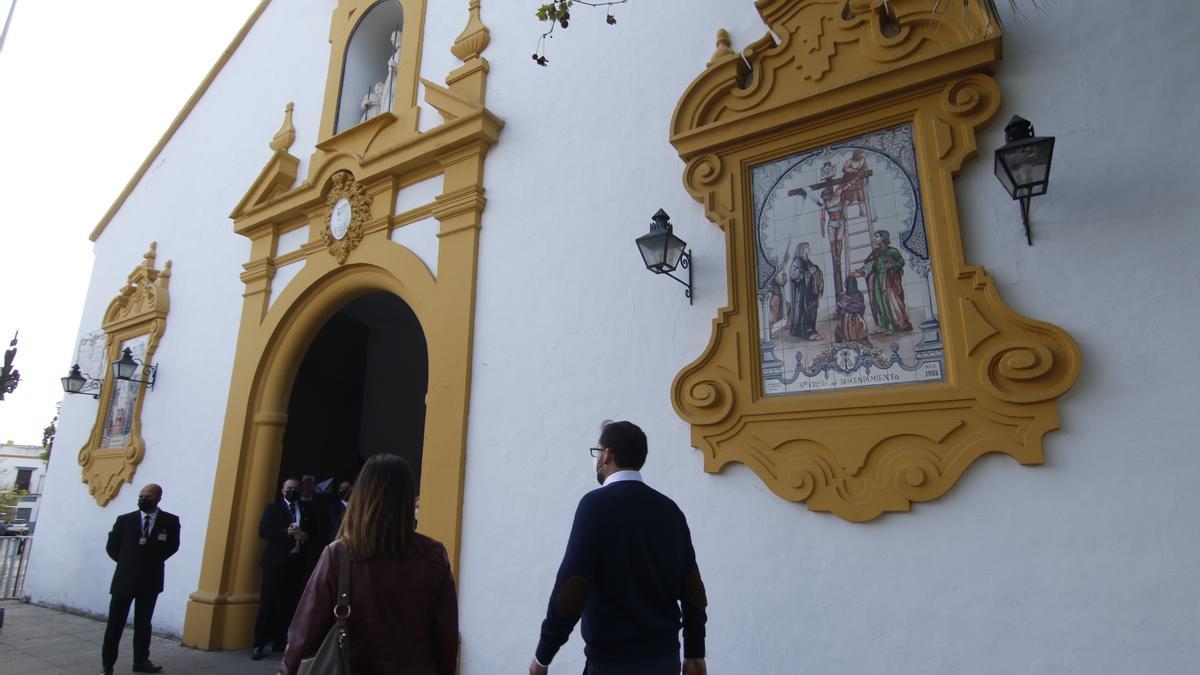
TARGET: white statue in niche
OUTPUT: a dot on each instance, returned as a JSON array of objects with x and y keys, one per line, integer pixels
[
  {"x": 371, "y": 102},
  {"x": 389, "y": 85}
]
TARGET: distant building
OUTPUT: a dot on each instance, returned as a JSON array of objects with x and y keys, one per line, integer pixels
[{"x": 23, "y": 468}]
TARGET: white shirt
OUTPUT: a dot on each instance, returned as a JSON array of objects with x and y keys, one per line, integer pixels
[{"x": 622, "y": 475}]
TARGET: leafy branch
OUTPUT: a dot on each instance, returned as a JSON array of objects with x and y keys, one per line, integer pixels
[{"x": 557, "y": 13}]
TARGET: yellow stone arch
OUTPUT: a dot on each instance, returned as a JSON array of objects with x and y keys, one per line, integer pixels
[{"x": 367, "y": 165}]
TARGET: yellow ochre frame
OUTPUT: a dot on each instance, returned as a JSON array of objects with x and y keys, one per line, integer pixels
[
  {"x": 841, "y": 69},
  {"x": 140, "y": 308},
  {"x": 368, "y": 165}
]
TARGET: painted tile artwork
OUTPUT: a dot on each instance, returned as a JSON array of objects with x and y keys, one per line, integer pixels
[
  {"x": 123, "y": 395},
  {"x": 844, "y": 289}
]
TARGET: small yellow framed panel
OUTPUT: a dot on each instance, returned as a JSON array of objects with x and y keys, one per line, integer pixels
[
  {"x": 861, "y": 365},
  {"x": 135, "y": 319}
]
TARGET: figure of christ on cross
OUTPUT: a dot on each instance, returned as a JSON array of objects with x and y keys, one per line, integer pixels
[{"x": 832, "y": 223}]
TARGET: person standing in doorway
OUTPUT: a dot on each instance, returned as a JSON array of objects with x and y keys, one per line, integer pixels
[
  {"x": 140, "y": 542},
  {"x": 337, "y": 510},
  {"x": 284, "y": 528},
  {"x": 629, "y": 571}
]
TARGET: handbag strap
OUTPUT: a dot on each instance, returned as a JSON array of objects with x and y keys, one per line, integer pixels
[{"x": 341, "y": 609}]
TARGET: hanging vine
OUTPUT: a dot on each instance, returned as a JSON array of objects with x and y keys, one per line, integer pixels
[{"x": 557, "y": 14}]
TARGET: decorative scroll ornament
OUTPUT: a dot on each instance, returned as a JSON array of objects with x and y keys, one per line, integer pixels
[
  {"x": 348, "y": 208},
  {"x": 826, "y": 152},
  {"x": 135, "y": 319}
]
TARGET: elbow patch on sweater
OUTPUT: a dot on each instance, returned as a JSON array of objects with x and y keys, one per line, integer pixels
[
  {"x": 571, "y": 597},
  {"x": 695, "y": 589}
]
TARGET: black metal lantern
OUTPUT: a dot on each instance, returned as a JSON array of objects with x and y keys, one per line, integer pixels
[
  {"x": 77, "y": 382},
  {"x": 663, "y": 252},
  {"x": 1023, "y": 165},
  {"x": 124, "y": 369}
]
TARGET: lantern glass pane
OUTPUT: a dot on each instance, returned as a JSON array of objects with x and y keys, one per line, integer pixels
[
  {"x": 1028, "y": 163},
  {"x": 1005, "y": 178},
  {"x": 654, "y": 250},
  {"x": 124, "y": 369},
  {"x": 72, "y": 385},
  {"x": 675, "y": 247}
]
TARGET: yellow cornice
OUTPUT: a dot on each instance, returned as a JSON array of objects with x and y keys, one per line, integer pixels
[
  {"x": 412, "y": 154},
  {"x": 183, "y": 115}
]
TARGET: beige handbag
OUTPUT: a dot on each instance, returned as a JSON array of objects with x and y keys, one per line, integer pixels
[{"x": 333, "y": 656}]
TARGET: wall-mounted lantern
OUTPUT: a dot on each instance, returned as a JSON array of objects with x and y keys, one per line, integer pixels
[
  {"x": 124, "y": 369},
  {"x": 77, "y": 382},
  {"x": 662, "y": 251},
  {"x": 1023, "y": 165}
]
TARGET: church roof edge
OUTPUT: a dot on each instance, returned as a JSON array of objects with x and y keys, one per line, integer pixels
[{"x": 178, "y": 121}]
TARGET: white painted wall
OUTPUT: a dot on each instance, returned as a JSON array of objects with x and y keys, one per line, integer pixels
[
  {"x": 1085, "y": 564},
  {"x": 183, "y": 202}
]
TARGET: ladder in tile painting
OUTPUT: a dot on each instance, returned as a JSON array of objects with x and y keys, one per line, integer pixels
[
  {"x": 859, "y": 220},
  {"x": 857, "y": 231}
]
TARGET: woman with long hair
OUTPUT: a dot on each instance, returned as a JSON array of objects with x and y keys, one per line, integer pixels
[{"x": 403, "y": 606}]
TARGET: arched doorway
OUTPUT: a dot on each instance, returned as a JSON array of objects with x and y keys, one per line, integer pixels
[{"x": 359, "y": 391}]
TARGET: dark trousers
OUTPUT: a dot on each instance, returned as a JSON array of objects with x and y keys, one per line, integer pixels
[
  {"x": 281, "y": 588},
  {"x": 669, "y": 665},
  {"x": 118, "y": 614}
]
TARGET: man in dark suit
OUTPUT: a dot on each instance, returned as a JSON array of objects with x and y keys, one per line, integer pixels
[
  {"x": 139, "y": 542},
  {"x": 630, "y": 572},
  {"x": 284, "y": 528},
  {"x": 338, "y": 509}
]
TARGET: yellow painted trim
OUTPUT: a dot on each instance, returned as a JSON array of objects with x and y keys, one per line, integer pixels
[
  {"x": 370, "y": 162},
  {"x": 179, "y": 119},
  {"x": 839, "y": 70},
  {"x": 140, "y": 308}
]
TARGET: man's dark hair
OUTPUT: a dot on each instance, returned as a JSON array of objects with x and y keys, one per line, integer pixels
[{"x": 626, "y": 441}]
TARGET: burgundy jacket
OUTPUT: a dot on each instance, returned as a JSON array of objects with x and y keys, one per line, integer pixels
[{"x": 403, "y": 613}]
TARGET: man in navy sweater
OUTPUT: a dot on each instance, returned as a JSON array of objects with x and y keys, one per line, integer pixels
[{"x": 630, "y": 572}]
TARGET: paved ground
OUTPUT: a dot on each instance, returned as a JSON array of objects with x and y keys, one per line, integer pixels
[{"x": 40, "y": 641}]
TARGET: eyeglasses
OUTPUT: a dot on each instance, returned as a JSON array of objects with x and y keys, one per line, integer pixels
[{"x": 596, "y": 451}]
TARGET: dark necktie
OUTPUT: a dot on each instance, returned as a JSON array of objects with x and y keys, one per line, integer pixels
[
  {"x": 292, "y": 510},
  {"x": 146, "y": 529}
]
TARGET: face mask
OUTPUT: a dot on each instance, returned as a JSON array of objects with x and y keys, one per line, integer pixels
[
  {"x": 147, "y": 504},
  {"x": 291, "y": 495}
]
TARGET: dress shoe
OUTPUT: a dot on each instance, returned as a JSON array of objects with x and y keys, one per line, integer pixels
[
  {"x": 106, "y": 671},
  {"x": 146, "y": 666},
  {"x": 256, "y": 653}
]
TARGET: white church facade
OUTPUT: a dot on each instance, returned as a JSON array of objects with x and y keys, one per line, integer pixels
[{"x": 906, "y": 438}]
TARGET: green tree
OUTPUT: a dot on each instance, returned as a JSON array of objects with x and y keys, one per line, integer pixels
[{"x": 49, "y": 431}]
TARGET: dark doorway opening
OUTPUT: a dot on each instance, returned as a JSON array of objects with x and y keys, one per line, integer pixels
[{"x": 360, "y": 391}]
